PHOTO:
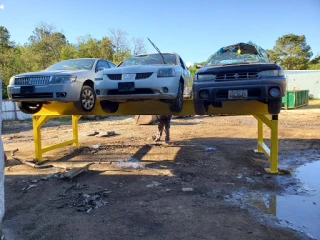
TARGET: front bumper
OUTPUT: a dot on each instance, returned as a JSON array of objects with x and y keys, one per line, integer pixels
[
  {"x": 144, "y": 89},
  {"x": 66, "y": 92},
  {"x": 257, "y": 90}
]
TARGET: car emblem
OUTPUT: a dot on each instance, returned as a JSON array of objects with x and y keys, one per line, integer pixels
[
  {"x": 236, "y": 75},
  {"x": 126, "y": 76}
]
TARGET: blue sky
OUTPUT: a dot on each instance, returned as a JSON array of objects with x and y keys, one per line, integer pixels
[{"x": 194, "y": 29}]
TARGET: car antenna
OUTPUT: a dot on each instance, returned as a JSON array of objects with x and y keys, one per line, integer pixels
[{"x": 164, "y": 61}]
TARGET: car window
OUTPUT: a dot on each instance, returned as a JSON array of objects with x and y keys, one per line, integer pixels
[
  {"x": 112, "y": 65},
  {"x": 72, "y": 64},
  {"x": 102, "y": 65},
  {"x": 150, "y": 59}
]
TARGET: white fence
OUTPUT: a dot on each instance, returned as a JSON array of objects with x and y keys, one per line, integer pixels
[
  {"x": 304, "y": 80},
  {"x": 10, "y": 111}
]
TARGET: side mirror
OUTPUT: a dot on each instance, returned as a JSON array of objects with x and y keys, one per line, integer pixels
[{"x": 199, "y": 66}]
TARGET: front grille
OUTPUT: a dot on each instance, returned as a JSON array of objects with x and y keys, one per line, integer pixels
[
  {"x": 136, "y": 91},
  {"x": 143, "y": 75},
  {"x": 41, "y": 80},
  {"x": 34, "y": 95},
  {"x": 114, "y": 76},
  {"x": 236, "y": 76}
]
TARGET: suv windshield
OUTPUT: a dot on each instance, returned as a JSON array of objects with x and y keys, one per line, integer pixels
[
  {"x": 241, "y": 53},
  {"x": 73, "y": 64},
  {"x": 150, "y": 59}
]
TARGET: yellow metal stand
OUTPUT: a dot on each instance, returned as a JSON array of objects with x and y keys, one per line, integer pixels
[
  {"x": 258, "y": 109},
  {"x": 38, "y": 121},
  {"x": 272, "y": 152}
]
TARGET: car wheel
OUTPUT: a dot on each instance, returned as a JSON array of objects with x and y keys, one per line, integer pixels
[
  {"x": 177, "y": 103},
  {"x": 274, "y": 106},
  {"x": 109, "y": 107},
  {"x": 87, "y": 99},
  {"x": 200, "y": 107},
  {"x": 29, "y": 107}
]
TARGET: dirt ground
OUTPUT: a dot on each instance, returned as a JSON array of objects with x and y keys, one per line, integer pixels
[{"x": 136, "y": 189}]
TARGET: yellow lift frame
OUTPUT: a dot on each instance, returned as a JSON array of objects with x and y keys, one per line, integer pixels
[{"x": 258, "y": 109}]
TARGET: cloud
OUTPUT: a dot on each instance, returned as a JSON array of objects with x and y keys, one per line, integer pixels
[{"x": 1, "y": 6}]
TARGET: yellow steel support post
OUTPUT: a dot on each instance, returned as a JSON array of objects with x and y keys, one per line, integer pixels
[
  {"x": 272, "y": 152},
  {"x": 260, "y": 136},
  {"x": 38, "y": 121},
  {"x": 274, "y": 145},
  {"x": 75, "y": 119}
]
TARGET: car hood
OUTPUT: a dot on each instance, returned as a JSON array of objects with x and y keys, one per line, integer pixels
[
  {"x": 54, "y": 73},
  {"x": 252, "y": 67},
  {"x": 138, "y": 69}
]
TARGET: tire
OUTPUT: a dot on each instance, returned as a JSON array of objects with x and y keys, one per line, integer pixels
[
  {"x": 274, "y": 106},
  {"x": 109, "y": 107},
  {"x": 29, "y": 107},
  {"x": 177, "y": 104},
  {"x": 200, "y": 108},
  {"x": 87, "y": 99}
]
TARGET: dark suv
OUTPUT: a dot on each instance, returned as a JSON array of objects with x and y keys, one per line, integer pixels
[{"x": 243, "y": 71}]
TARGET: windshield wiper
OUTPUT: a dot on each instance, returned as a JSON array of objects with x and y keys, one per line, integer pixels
[{"x": 164, "y": 61}]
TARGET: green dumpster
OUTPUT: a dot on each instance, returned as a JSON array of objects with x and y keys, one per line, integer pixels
[{"x": 295, "y": 99}]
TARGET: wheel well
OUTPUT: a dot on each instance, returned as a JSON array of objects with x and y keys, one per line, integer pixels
[{"x": 89, "y": 83}]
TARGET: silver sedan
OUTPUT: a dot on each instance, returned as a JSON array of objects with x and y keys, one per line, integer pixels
[{"x": 66, "y": 81}]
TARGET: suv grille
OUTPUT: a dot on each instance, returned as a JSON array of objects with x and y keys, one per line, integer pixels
[
  {"x": 237, "y": 76},
  {"x": 143, "y": 75},
  {"x": 32, "y": 80},
  {"x": 114, "y": 76}
]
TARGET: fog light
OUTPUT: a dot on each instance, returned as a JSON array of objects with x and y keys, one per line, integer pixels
[
  {"x": 98, "y": 92},
  {"x": 165, "y": 90},
  {"x": 204, "y": 94},
  {"x": 274, "y": 92}
]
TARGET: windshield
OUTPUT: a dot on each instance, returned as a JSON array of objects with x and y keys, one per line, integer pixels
[
  {"x": 73, "y": 64},
  {"x": 150, "y": 59},
  {"x": 238, "y": 54}
]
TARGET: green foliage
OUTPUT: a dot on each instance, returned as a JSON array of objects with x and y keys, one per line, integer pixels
[
  {"x": 314, "y": 64},
  {"x": 291, "y": 52}
]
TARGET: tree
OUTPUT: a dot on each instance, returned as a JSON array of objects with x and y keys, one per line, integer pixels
[
  {"x": 5, "y": 42},
  {"x": 46, "y": 45},
  {"x": 291, "y": 52},
  {"x": 68, "y": 51},
  {"x": 139, "y": 46},
  {"x": 314, "y": 64},
  {"x": 120, "y": 44}
]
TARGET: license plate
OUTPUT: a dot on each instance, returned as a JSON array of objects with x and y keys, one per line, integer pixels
[
  {"x": 238, "y": 94},
  {"x": 126, "y": 86},
  {"x": 26, "y": 89}
]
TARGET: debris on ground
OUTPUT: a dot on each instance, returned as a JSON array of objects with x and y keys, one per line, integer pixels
[
  {"x": 187, "y": 189},
  {"x": 29, "y": 187},
  {"x": 89, "y": 134},
  {"x": 95, "y": 146},
  {"x": 107, "y": 134},
  {"x": 154, "y": 184},
  {"x": 75, "y": 171},
  {"x": 134, "y": 165},
  {"x": 87, "y": 202}
]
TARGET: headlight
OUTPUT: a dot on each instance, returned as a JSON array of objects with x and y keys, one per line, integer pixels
[
  {"x": 63, "y": 79},
  {"x": 99, "y": 76},
  {"x": 272, "y": 73},
  {"x": 206, "y": 77},
  {"x": 166, "y": 72},
  {"x": 11, "y": 82}
]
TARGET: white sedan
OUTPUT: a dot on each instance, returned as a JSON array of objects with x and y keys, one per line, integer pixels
[{"x": 156, "y": 76}]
